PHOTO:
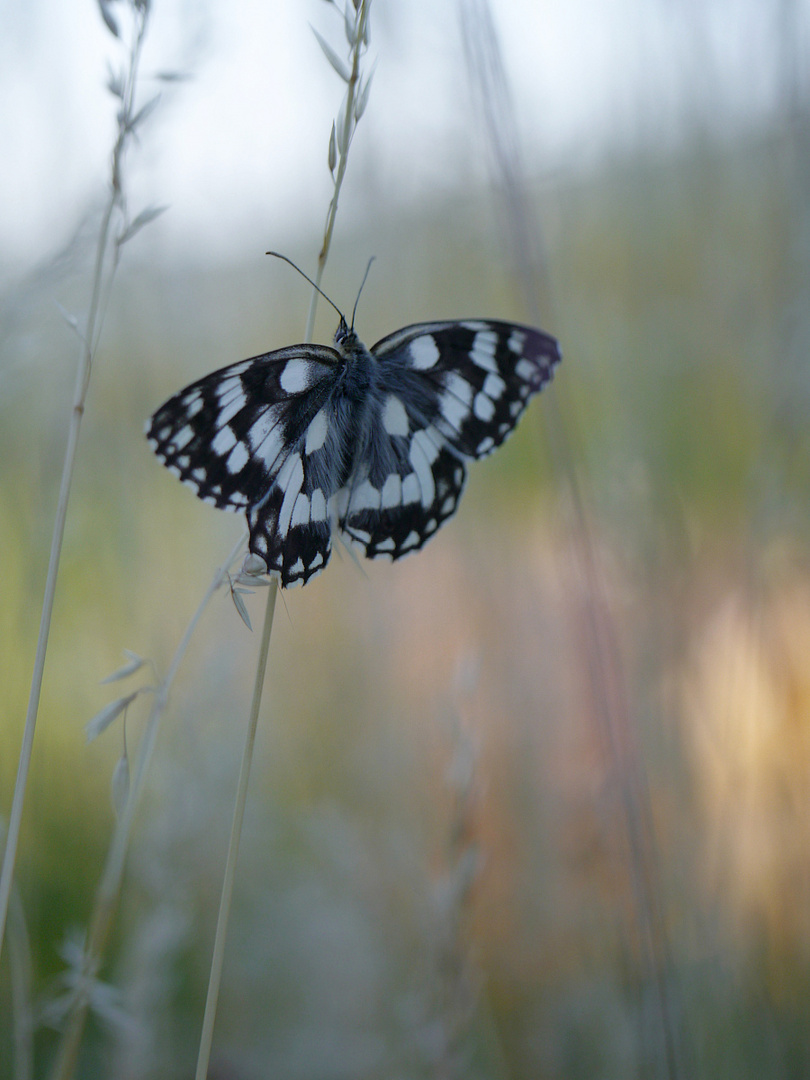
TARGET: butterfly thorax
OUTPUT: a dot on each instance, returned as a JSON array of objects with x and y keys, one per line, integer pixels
[{"x": 357, "y": 374}]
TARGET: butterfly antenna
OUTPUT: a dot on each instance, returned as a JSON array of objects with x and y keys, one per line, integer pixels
[
  {"x": 362, "y": 283},
  {"x": 306, "y": 277}
]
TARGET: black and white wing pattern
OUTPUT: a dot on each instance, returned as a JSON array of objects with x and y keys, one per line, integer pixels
[
  {"x": 447, "y": 392},
  {"x": 240, "y": 438},
  {"x": 371, "y": 444}
]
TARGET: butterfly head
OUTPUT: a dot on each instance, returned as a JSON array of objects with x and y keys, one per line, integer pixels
[{"x": 345, "y": 336}]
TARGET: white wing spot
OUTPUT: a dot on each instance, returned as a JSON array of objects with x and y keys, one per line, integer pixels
[
  {"x": 459, "y": 387},
  {"x": 424, "y": 352},
  {"x": 261, "y": 428},
  {"x": 182, "y": 438},
  {"x": 424, "y": 440},
  {"x": 494, "y": 386},
  {"x": 515, "y": 408},
  {"x": 194, "y": 406},
  {"x": 471, "y": 324},
  {"x": 455, "y": 402},
  {"x": 260, "y": 542},
  {"x": 483, "y": 349},
  {"x": 449, "y": 504},
  {"x": 483, "y": 407},
  {"x": 317, "y": 506},
  {"x": 295, "y": 376},
  {"x": 410, "y": 489},
  {"x": 516, "y": 341},
  {"x": 392, "y": 491},
  {"x": 316, "y": 432},
  {"x": 485, "y": 445},
  {"x": 267, "y": 440},
  {"x": 237, "y": 459},
  {"x": 199, "y": 475},
  {"x": 365, "y": 497},
  {"x": 389, "y": 544},
  {"x": 298, "y": 566},
  {"x": 235, "y": 405},
  {"x": 223, "y": 442},
  {"x": 300, "y": 515},
  {"x": 228, "y": 389},
  {"x": 420, "y": 460},
  {"x": 317, "y": 560},
  {"x": 525, "y": 369},
  {"x": 394, "y": 416},
  {"x": 338, "y": 504},
  {"x": 194, "y": 487},
  {"x": 290, "y": 479},
  {"x": 184, "y": 461},
  {"x": 361, "y": 535}
]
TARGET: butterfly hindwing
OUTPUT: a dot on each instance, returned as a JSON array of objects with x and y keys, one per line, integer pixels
[{"x": 409, "y": 484}]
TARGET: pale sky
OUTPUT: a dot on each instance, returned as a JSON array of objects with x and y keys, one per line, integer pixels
[{"x": 245, "y": 138}]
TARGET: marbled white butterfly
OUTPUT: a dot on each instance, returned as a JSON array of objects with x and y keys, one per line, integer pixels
[{"x": 371, "y": 443}]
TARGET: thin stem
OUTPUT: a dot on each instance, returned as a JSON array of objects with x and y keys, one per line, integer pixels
[
  {"x": 19, "y": 953},
  {"x": 84, "y": 370},
  {"x": 611, "y": 706},
  {"x": 110, "y": 884},
  {"x": 348, "y": 127},
  {"x": 206, "y": 1037},
  {"x": 233, "y": 845}
]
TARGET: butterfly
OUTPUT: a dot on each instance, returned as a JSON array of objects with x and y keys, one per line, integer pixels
[{"x": 372, "y": 444}]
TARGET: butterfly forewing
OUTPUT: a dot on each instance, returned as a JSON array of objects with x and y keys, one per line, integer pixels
[
  {"x": 482, "y": 375},
  {"x": 311, "y": 440}
]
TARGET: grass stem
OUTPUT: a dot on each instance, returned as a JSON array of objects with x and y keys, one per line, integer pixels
[
  {"x": 348, "y": 121},
  {"x": 83, "y": 373},
  {"x": 217, "y": 959}
]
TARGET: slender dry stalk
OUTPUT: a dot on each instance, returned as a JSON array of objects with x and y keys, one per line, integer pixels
[
  {"x": 19, "y": 953},
  {"x": 355, "y": 21},
  {"x": 343, "y": 128},
  {"x": 612, "y": 712},
  {"x": 218, "y": 955},
  {"x": 106, "y": 261}
]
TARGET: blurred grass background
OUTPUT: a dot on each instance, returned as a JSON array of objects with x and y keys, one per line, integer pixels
[{"x": 436, "y": 876}]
